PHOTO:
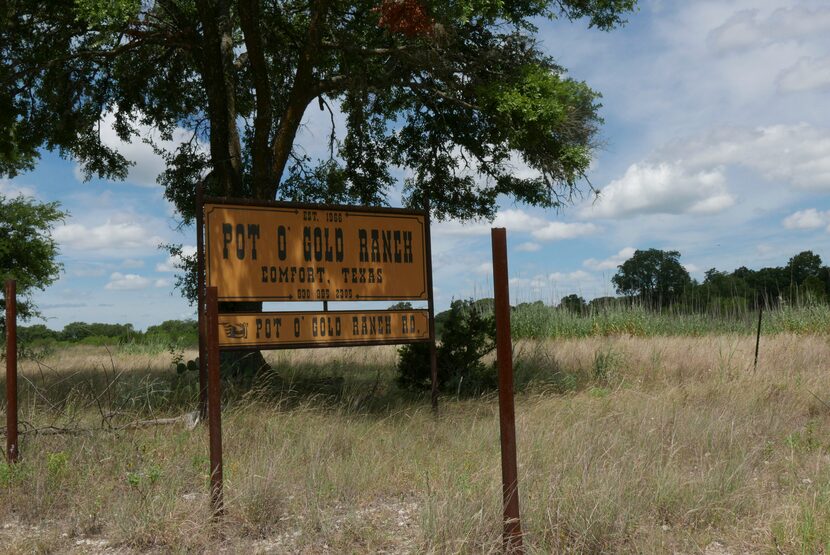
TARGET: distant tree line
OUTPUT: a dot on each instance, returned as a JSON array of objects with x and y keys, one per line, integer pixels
[
  {"x": 178, "y": 332},
  {"x": 656, "y": 279}
]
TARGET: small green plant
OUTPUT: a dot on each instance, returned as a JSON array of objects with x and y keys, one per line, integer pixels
[
  {"x": 134, "y": 479},
  {"x": 468, "y": 335},
  {"x": 806, "y": 440},
  {"x": 599, "y": 392},
  {"x": 178, "y": 362},
  {"x": 56, "y": 463},
  {"x": 144, "y": 480},
  {"x": 11, "y": 474},
  {"x": 199, "y": 463},
  {"x": 605, "y": 362}
]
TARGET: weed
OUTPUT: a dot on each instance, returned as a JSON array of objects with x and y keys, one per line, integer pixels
[{"x": 56, "y": 463}]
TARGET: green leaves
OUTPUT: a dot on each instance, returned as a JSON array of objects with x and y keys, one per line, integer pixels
[
  {"x": 27, "y": 251},
  {"x": 106, "y": 12},
  {"x": 655, "y": 275},
  {"x": 548, "y": 119},
  {"x": 467, "y": 336}
]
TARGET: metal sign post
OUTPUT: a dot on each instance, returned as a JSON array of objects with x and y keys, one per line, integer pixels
[
  {"x": 200, "y": 299},
  {"x": 433, "y": 355},
  {"x": 214, "y": 403},
  {"x": 12, "y": 449},
  {"x": 512, "y": 534}
]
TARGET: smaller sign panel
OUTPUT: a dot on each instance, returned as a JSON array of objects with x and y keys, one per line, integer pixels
[{"x": 317, "y": 329}]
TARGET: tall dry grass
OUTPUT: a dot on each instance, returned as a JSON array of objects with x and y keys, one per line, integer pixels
[{"x": 626, "y": 445}]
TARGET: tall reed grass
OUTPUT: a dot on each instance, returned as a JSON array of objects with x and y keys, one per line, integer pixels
[{"x": 538, "y": 321}]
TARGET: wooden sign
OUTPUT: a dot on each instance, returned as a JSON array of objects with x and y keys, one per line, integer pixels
[
  {"x": 290, "y": 252},
  {"x": 322, "y": 329}
]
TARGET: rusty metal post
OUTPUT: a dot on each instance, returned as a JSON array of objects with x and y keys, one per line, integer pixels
[
  {"x": 12, "y": 449},
  {"x": 200, "y": 299},
  {"x": 214, "y": 403},
  {"x": 433, "y": 356},
  {"x": 512, "y": 534}
]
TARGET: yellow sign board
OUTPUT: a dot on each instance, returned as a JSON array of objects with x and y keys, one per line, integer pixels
[
  {"x": 316, "y": 329},
  {"x": 316, "y": 253}
]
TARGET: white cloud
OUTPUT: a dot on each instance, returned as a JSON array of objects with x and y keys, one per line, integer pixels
[
  {"x": 798, "y": 155},
  {"x": 108, "y": 236},
  {"x": 738, "y": 32},
  {"x": 132, "y": 263},
  {"x": 807, "y": 219},
  {"x": 11, "y": 189},
  {"x": 173, "y": 263},
  {"x": 807, "y": 74},
  {"x": 88, "y": 269},
  {"x": 127, "y": 282},
  {"x": 147, "y": 164},
  {"x": 689, "y": 177},
  {"x": 611, "y": 262},
  {"x": 161, "y": 283},
  {"x": 485, "y": 268},
  {"x": 529, "y": 246},
  {"x": 745, "y": 30},
  {"x": 522, "y": 222},
  {"x": 512, "y": 219},
  {"x": 662, "y": 189},
  {"x": 568, "y": 277},
  {"x": 555, "y": 231}
]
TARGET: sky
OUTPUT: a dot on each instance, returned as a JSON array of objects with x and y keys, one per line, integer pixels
[{"x": 716, "y": 143}]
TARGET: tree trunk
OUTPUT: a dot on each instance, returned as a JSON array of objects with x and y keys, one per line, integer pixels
[
  {"x": 218, "y": 73},
  {"x": 261, "y": 168},
  {"x": 220, "y": 84}
]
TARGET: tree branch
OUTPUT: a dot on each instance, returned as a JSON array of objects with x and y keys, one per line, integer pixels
[
  {"x": 260, "y": 149},
  {"x": 303, "y": 91},
  {"x": 220, "y": 84}
]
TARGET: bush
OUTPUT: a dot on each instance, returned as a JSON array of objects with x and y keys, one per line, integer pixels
[{"x": 468, "y": 335}]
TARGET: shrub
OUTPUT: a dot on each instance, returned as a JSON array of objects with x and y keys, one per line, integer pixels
[{"x": 468, "y": 335}]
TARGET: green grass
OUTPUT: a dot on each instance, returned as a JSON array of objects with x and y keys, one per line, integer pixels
[{"x": 536, "y": 321}]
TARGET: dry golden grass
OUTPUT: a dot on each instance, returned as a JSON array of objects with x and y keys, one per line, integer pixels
[{"x": 626, "y": 445}]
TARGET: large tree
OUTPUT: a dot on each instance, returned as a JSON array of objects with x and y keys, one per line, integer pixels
[
  {"x": 457, "y": 93},
  {"x": 802, "y": 266},
  {"x": 28, "y": 254},
  {"x": 654, "y": 275}
]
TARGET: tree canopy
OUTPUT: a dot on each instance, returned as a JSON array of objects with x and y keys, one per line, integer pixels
[
  {"x": 655, "y": 275},
  {"x": 573, "y": 303},
  {"x": 456, "y": 93},
  {"x": 27, "y": 251}
]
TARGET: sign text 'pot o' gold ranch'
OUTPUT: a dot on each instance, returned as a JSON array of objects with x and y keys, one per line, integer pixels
[{"x": 294, "y": 254}]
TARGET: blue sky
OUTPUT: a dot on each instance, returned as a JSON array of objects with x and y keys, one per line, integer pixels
[{"x": 716, "y": 143}]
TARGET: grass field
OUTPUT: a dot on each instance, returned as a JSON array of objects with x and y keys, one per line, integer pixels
[{"x": 626, "y": 444}]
